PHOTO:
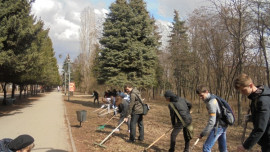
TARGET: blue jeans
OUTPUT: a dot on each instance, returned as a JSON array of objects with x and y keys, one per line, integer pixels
[{"x": 220, "y": 135}]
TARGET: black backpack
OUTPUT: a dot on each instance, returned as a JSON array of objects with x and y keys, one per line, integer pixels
[{"x": 227, "y": 115}]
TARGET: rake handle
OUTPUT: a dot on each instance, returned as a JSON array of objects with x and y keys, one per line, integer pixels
[
  {"x": 105, "y": 113},
  {"x": 102, "y": 111},
  {"x": 158, "y": 139},
  {"x": 112, "y": 132},
  {"x": 195, "y": 143},
  {"x": 109, "y": 120}
]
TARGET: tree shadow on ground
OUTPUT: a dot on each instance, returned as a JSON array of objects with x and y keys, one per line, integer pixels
[
  {"x": 7, "y": 110},
  {"x": 75, "y": 126},
  {"x": 9, "y": 114},
  {"x": 85, "y": 103}
]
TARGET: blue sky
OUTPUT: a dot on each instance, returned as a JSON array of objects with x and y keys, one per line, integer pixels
[{"x": 63, "y": 18}]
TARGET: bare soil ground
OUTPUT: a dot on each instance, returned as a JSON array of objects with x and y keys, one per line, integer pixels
[{"x": 156, "y": 123}]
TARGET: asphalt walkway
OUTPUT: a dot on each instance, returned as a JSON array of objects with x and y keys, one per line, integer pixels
[{"x": 43, "y": 119}]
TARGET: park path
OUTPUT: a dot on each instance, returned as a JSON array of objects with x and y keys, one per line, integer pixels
[{"x": 44, "y": 119}]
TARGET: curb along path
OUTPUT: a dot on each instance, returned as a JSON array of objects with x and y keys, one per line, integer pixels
[{"x": 45, "y": 120}]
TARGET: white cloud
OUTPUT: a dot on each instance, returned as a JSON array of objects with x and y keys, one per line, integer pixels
[
  {"x": 97, "y": 11},
  {"x": 63, "y": 18},
  {"x": 185, "y": 7}
]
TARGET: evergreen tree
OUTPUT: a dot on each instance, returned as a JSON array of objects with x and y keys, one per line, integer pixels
[
  {"x": 180, "y": 54},
  {"x": 17, "y": 32},
  {"x": 130, "y": 46}
]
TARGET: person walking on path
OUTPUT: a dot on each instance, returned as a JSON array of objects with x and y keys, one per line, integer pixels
[
  {"x": 44, "y": 119},
  {"x": 183, "y": 107},
  {"x": 135, "y": 109},
  {"x": 260, "y": 113},
  {"x": 216, "y": 129}
]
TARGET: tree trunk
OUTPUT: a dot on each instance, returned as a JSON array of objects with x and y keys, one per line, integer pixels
[
  {"x": 13, "y": 90},
  {"x": 5, "y": 92},
  {"x": 21, "y": 90}
]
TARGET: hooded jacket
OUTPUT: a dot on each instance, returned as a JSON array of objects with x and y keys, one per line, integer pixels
[
  {"x": 182, "y": 105},
  {"x": 123, "y": 108},
  {"x": 260, "y": 111},
  {"x": 135, "y": 106},
  {"x": 4, "y": 145}
]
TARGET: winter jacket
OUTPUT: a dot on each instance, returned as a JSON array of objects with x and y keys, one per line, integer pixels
[
  {"x": 135, "y": 106},
  {"x": 183, "y": 107},
  {"x": 4, "y": 145},
  {"x": 123, "y": 108},
  {"x": 260, "y": 111}
]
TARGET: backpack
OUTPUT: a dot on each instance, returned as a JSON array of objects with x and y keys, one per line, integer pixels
[{"x": 227, "y": 115}]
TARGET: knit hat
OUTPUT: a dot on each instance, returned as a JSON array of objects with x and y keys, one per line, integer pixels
[
  {"x": 20, "y": 142},
  {"x": 169, "y": 94}
]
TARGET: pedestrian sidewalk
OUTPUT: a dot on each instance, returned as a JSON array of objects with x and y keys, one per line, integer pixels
[{"x": 43, "y": 119}]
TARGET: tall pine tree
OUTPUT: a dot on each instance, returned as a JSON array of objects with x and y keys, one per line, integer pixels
[
  {"x": 130, "y": 45},
  {"x": 17, "y": 32},
  {"x": 180, "y": 54}
]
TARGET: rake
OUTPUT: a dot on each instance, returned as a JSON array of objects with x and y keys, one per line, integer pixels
[
  {"x": 101, "y": 111},
  {"x": 103, "y": 126},
  {"x": 105, "y": 113},
  {"x": 100, "y": 144},
  {"x": 145, "y": 150},
  {"x": 194, "y": 144},
  {"x": 97, "y": 109}
]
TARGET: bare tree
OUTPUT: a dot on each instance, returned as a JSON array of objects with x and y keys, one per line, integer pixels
[
  {"x": 261, "y": 23},
  {"x": 88, "y": 42}
]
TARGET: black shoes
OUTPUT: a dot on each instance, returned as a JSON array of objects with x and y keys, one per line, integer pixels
[{"x": 131, "y": 141}]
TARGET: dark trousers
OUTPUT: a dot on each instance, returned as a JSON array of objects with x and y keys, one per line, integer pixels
[
  {"x": 174, "y": 134},
  {"x": 265, "y": 148},
  {"x": 96, "y": 98},
  {"x": 136, "y": 118}
]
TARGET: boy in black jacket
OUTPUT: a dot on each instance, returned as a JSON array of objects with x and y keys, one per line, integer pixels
[
  {"x": 260, "y": 111},
  {"x": 183, "y": 107}
]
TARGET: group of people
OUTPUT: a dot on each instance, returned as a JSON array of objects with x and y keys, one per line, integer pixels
[
  {"x": 216, "y": 127},
  {"x": 215, "y": 130}
]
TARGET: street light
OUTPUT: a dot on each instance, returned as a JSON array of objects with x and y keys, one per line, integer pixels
[
  {"x": 68, "y": 61},
  {"x": 65, "y": 73}
]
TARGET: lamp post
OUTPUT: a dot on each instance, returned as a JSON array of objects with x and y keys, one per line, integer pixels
[
  {"x": 65, "y": 83},
  {"x": 68, "y": 77}
]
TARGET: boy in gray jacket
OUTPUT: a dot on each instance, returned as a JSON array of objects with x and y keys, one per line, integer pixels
[{"x": 216, "y": 128}]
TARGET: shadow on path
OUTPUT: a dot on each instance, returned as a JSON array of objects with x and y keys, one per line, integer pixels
[
  {"x": 49, "y": 150},
  {"x": 85, "y": 103},
  {"x": 7, "y": 110}
]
